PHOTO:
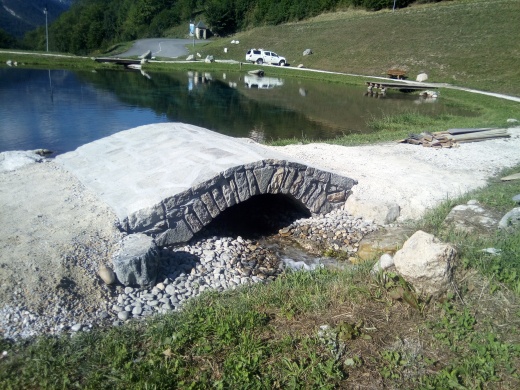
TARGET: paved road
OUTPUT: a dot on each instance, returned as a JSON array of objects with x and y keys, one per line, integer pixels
[{"x": 160, "y": 47}]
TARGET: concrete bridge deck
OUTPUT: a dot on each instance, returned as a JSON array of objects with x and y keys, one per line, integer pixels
[{"x": 170, "y": 180}]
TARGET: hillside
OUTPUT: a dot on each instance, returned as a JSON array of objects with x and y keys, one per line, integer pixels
[
  {"x": 472, "y": 43},
  {"x": 19, "y": 16}
]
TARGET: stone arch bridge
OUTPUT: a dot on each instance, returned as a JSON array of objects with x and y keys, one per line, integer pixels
[{"x": 170, "y": 180}]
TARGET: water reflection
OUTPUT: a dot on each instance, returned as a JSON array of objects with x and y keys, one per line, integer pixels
[
  {"x": 262, "y": 82},
  {"x": 85, "y": 106}
]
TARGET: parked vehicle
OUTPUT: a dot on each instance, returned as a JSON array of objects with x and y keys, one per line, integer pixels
[{"x": 261, "y": 56}]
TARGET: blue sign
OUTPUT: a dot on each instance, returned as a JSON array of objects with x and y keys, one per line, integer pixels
[{"x": 192, "y": 29}]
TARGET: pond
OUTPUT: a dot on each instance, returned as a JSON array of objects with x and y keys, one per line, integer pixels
[{"x": 62, "y": 110}]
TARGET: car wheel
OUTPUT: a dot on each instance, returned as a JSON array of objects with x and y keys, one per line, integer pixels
[
  {"x": 259, "y": 61},
  {"x": 282, "y": 63}
]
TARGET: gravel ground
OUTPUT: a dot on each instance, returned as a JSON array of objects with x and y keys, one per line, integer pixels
[
  {"x": 53, "y": 236},
  {"x": 413, "y": 177},
  {"x": 54, "y": 233}
]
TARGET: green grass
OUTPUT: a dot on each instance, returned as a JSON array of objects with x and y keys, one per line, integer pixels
[
  {"x": 472, "y": 43},
  {"x": 268, "y": 336},
  {"x": 481, "y": 111},
  {"x": 44, "y": 60},
  {"x": 503, "y": 269}
]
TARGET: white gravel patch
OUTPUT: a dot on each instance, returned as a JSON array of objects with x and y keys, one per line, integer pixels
[{"x": 414, "y": 177}]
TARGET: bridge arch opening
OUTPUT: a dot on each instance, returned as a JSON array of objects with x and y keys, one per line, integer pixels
[{"x": 259, "y": 216}]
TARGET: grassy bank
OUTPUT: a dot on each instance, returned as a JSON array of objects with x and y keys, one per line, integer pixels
[
  {"x": 44, "y": 60},
  {"x": 481, "y": 111},
  {"x": 472, "y": 43},
  {"x": 271, "y": 336}
]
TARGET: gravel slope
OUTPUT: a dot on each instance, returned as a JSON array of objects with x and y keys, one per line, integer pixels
[{"x": 53, "y": 236}]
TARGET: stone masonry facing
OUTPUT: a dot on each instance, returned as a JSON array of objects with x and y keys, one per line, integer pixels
[{"x": 176, "y": 219}]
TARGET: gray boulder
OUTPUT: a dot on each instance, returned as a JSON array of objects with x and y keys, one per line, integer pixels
[
  {"x": 380, "y": 212},
  {"x": 426, "y": 263},
  {"x": 471, "y": 217},
  {"x": 516, "y": 198},
  {"x": 422, "y": 77},
  {"x": 307, "y": 52},
  {"x": 511, "y": 220},
  {"x": 137, "y": 261},
  {"x": 209, "y": 59},
  {"x": 191, "y": 57},
  {"x": 12, "y": 160}
]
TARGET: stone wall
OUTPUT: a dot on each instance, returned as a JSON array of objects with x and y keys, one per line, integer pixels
[{"x": 176, "y": 219}]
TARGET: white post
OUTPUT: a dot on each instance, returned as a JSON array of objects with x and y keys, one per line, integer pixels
[
  {"x": 393, "y": 9},
  {"x": 46, "y": 28}
]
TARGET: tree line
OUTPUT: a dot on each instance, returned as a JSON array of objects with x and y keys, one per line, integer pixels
[{"x": 90, "y": 25}]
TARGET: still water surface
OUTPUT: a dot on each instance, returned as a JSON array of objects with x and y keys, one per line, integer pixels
[{"x": 62, "y": 110}]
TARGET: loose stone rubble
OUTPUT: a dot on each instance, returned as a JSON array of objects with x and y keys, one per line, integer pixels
[
  {"x": 337, "y": 231},
  {"x": 210, "y": 263}
]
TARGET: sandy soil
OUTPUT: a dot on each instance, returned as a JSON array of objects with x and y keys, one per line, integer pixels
[{"x": 54, "y": 233}]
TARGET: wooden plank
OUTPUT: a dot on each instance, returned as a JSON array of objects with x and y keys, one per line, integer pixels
[
  {"x": 514, "y": 176},
  {"x": 483, "y": 139},
  {"x": 469, "y": 130},
  {"x": 119, "y": 61},
  {"x": 480, "y": 135}
]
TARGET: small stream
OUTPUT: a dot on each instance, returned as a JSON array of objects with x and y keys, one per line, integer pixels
[
  {"x": 262, "y": 218},
  {"x": 295, "y": 257}
]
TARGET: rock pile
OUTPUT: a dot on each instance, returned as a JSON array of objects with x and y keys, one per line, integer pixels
[
  {"x": 211, "y": 263},
  {"x": 337, "y": 230}
]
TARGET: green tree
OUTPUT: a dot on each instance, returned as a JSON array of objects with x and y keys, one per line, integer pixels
[
  {"x": 7, "y": 41},
  {"x": 220, "y": 15}
]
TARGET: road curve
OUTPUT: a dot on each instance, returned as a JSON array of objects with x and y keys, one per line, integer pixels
[{"x": 160, "y": 47}]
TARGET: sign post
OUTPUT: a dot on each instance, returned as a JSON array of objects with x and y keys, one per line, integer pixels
[
  {"x": 46, "y": 28},
  {"x": 192, "y": 31}
]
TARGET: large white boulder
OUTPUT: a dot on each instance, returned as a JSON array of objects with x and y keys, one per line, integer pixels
[
  {"x": 426, "y": 263},
  {"x": 422, "y": 77},
  {"x": 382, "y": 213}
]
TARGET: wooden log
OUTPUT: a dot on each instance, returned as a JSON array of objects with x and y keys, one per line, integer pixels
[{"x": 514, "y": 176}]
